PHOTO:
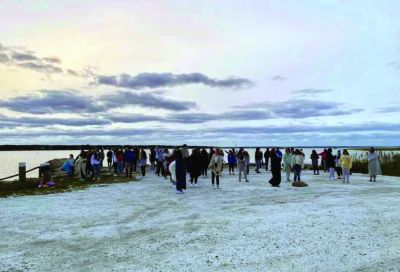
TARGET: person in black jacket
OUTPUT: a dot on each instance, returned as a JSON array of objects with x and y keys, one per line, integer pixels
[
  {"x": 330, "y": 164},
  {"x": 266, "y": 158},
  {"x": 258, "y": 156},
  {"x": 194, "y": 166},
  {"x": 275, "y": 168}
]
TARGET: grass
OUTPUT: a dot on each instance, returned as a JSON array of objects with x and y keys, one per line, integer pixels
[
  {"x": 390, "y": 163},
  {"x": 63, "y": 184}
]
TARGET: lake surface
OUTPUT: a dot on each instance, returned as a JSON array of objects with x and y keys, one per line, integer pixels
[{"x": 10, "y": 159}]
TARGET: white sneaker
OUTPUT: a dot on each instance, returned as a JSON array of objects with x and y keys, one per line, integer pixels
[
  {"x": 179, "y": 192},
  {"x": 218, "y": 187},
  {"x": 213, "y": 186},
  {"x": 195, "y": 186},
  {"x": 191, "y": 185}
]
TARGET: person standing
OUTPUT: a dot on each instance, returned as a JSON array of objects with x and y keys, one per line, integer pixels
[
  {"x": 324, "y": 156},
  {"x": 287, "y": 163},
  {"x": 142, "y": 161},
  {"x": 109, "y": 159},
  {"x": 297, "y": 164},
  {"x": 95, "y": 162},
  {"x": 152, "y": 159},
  {"x": 216, "y": 165},
  {"x": 232, "y": 162},
  {"x": 128, "y": 160},
  {"x": 374, "y": 167},
  {"x": 330, "y": 164},
  {"x": 194, "y": 167},
  {"x": 266, "y": 158},
  {"x": 180, "y": 171},
  {"x": 242, "y": 167},
  {"x": 275, "y": 168},
  {"x": 314, "y": 161},
  {"x": 102, "y": 155},
  {"x": 346, "y": 163},
  {"x": 247, "y": 159},
  {"x": 258, "y": 156},
  {"x": 205, "y": 161},
  {"x": 81, "y": 165},
  {"x": 160, "y": 160}
]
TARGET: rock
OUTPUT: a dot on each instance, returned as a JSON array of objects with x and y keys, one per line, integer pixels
[{"x": 299, "y": 184}]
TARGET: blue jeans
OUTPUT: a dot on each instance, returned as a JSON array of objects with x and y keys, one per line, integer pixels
[
  {"x": 297, "y": 172},
  {"x": 96, "y": 170}
]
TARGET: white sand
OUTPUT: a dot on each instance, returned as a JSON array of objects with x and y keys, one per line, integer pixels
[{"x": 145, "y": 226}]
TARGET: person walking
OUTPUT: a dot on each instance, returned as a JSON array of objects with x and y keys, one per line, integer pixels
[
  {"x": 194, "y": 167},
  {"x": 216, "y": 165},
  {"x": 275, "y": 168},
  {"x": 324, "y": 156},
  {"x": 109, "y": 156},
  {"x": 297, "y": 164},
  {"x": 330, "y": 164},
  {"x": 258, "y": 156},
  {"x": 346, "y": 163},
  {"x": 287, "y": 163},
  {"x": 266, "y": 158},
  {"x": 314, "y": 161},
  {"x": 247, "y": 159},
  {"x": 242, "y": 167},
  {"x": 338, "y": 168},
  {"x": 374, "y": 167},
  {"x": 142, "y": 161}
]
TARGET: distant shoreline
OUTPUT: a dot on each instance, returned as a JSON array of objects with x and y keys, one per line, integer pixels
[{"x": 79, "y": 147}]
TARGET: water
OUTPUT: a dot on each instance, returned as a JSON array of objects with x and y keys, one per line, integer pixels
[{"x": 10, "y": 159}]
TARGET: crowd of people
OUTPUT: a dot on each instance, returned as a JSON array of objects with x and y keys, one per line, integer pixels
[{"x": 177, "y": 163}]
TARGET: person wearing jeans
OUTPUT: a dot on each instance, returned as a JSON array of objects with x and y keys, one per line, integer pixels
[
  {"x": 346, "y": 162},
  {"x": 287, "y": 163},
  {"x": 297, "y": 164},
  {"x": 258, "y": 158}
]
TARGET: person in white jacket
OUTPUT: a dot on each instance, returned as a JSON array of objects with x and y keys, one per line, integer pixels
[{"x": 297, "y": 164}]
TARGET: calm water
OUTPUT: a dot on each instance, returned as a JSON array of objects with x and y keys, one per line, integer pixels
[{"x": 10, "y": 159}]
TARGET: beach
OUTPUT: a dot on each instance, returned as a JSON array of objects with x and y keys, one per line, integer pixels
[{"x": 145, "y": 226}]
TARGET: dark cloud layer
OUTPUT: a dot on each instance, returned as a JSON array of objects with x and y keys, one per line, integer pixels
[
  {"x": 65, "y": 101},
  {"x": 157, "y": 80}
]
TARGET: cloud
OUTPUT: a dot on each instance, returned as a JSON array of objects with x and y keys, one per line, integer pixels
[
  {"x": 157, "y": 80},
  {"x": 52, "y": 60},
  {"x": 124, "y": 98},
  {"x": 134, "y": 118},
  {"x": 72, "y": 72},
  {"x": 68, "y": 101},
  {"x": 41, "y": 122},
  {"x": 302, "y": 108},
  {"x": 394, "y": 64},
  {"x": 311, "y": 91},
  {"x": 23, "y": 56},
  {"x": 38, "y": 67},
  {"x": 278, "y": 78},
  {"x": 388, "y": 109},
  {"x": 3, "y": 58},
  {"x": 52, "y": 101}
]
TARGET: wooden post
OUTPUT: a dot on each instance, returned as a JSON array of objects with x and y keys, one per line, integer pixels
[
  {"x": 22, "y": 171},
  {"x": 46, "y": 173}
]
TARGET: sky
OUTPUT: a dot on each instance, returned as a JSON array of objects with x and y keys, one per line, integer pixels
[{"x": 227, "y": 73}]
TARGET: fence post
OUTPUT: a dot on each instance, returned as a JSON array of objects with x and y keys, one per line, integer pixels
[{"x": 22, "y": 171}]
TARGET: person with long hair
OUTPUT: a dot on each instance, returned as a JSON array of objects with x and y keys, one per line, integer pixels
[
  {"x": 194, "y": 167},
  {"x": 314, "y": 161},
  {"x": 374, "y": 167},
  {"x": 142, "y": 161},
  {"x": 81, "y": 165},
  {"x": 330, "y": 164},
  {"x": 275, "y": 168},
  {"x": 216, "y": 165},
  {"x": 346, "y": 163},
  {"x": 242, "y": 166},
  {"x": 297, "y": 164},
  {"x": 205, "y": 161},
  {"x": 180, "y": 171},
  {"x": 287, "y": 163}
]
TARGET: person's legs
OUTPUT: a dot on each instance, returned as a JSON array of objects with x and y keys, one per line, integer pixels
[
  {"x": 245, "y": 175},
  {"x": 143, "y": 168},
  {"x": 217, "y": 178},
  {"x": 212, "y": 178},
  {"x": 248, "y": 169},
  {"x": 240, "y": 175}
]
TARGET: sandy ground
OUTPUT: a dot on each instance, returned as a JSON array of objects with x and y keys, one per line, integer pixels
[{"x": 145, "y": 226}]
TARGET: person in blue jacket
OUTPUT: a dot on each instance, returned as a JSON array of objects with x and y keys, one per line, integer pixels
[{"x": 232, "y": 161}]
